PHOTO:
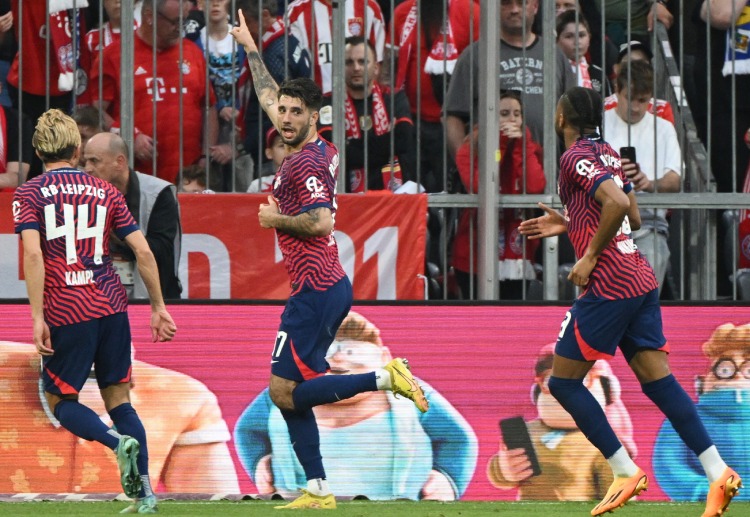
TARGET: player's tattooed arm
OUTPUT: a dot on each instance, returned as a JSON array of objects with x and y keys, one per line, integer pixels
[
  {"x": 265, "y": 86},
  {"x": 317, "y": 222}
]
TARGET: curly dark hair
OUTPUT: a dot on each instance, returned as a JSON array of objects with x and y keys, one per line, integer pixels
[{"x": 305, "y": 89}]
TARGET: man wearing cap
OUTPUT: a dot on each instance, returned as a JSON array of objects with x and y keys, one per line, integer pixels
[
  {"x": 637, "y": 51},
  {"x": 724, "y": 407},
  {"x": 276, "y": 152}
]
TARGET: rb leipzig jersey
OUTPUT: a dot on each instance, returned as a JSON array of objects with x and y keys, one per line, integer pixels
[
  {"x": 75, "y": 214},
  {"x": 621, "y": 272},
  {"x": 307, "y": 180}
]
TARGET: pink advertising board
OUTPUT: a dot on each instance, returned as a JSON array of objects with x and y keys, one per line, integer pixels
[{"x": 480, "y": 359}]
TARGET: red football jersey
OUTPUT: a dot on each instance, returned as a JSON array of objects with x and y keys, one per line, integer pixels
[{"x": 159, "y": 90}]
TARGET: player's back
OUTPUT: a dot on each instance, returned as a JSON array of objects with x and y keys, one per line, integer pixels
[
  {"x": 75, "y": 213},
  {"x": 622, "y": 271}
]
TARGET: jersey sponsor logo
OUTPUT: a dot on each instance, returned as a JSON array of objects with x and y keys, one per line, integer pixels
[
  {"x": 75, "y": 278},
  {"x": 315, "y": 187},
  {"x": 586, "y": 168},
  {"x": 16, "y": 211}
]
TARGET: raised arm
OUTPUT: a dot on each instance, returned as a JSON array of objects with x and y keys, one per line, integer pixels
[{"x": 265, "y": 86}]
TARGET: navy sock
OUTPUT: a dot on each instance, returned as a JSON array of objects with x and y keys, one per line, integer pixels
[
  {"x": 303, "y": 432},
  {"x": 679, "y": 408},
  {"x": 587, "y": 413},
  {"x": 331, "y": 388},
  {"x": 127, "y": 422},
  {"x": 84, "y": 423}
]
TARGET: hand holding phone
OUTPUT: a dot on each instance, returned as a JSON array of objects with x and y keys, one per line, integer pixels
[{"x": 628, "y": 153}]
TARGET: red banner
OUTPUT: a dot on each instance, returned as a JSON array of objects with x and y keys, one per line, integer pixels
[{"x": 226, "y": 254}]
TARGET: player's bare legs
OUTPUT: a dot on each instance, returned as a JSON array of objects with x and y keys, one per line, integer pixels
[
  {"x": 280, "y": 390},
  {"x": 566, "y": 385},
  {"x": 651, "y": 367}
]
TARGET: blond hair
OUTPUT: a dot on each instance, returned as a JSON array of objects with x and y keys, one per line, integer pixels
[{"x": 56, "y": 136}]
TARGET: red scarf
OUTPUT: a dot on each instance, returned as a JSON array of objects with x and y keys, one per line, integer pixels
[
  {"x": 584, "y": 79},
  {"x": 442, "y": 56},
  {"x": 379, "y": 120},
  {"x": 60, "y": 30},
  {"x": 276, "y": 30}
]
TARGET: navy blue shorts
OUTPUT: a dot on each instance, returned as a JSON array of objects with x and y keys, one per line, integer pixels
[
  {"x": 103, "y": 343},
  {"x": 593, "y": 328},
  {"x": 308, "y": 325}
]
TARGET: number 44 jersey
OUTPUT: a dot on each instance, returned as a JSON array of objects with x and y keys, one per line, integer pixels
[{"x": 75, "y": 214}]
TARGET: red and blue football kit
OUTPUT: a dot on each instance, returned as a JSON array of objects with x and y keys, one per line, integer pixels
[
  {"x": 619, "y": 306},
  {"x": 321, "y": 293},
  {"x": 84, "y": 302}
]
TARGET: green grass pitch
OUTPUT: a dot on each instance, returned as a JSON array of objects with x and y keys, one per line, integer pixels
[{"x": 375, "y": 509}]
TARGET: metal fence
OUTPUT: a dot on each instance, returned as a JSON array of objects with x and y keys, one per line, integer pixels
[{"x": 703, "y": 221}]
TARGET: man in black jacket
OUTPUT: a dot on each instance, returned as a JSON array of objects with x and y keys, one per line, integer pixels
[{"x": 374, "y": 114}]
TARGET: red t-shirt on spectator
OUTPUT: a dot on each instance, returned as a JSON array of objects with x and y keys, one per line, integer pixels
[
  {"x": 167, "y": 100},
  {"x": 461, "y": 19}
]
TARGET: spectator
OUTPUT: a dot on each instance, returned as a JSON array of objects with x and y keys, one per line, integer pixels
[
  {"x": 426, "y": 78},
  {"x": 275, "y": 152},
  {"x": 15, "y": 163},
  {"x": 109, "y": 32},
  {"x": 225, "y": 61},
  {"x": 62, "y": 66},
  {"x": 281, "y": 56},
  {"x": 637, "y": 51},
  {"x": 517, "y": 43},
  {"x": 194, "y": 180},
  {"x": 371, "y": 162},
  {"x": 564, "y": 5},
  {"x": 659, "y": 164},
  {"x": 153, "y": 204},
  {"x": 642, "y": 16},
  {"x": 8, "y": 49},
  {"x": 159, "y": 90},
  {"x": 89, "y": 122},
  {"x": 310, "y": 22},
  {"x": 515, "y": 262},
  {"x": 574, "y": 39},
  {"x": 194, "y": 19},
  {"x": 725, "y": 18}
]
